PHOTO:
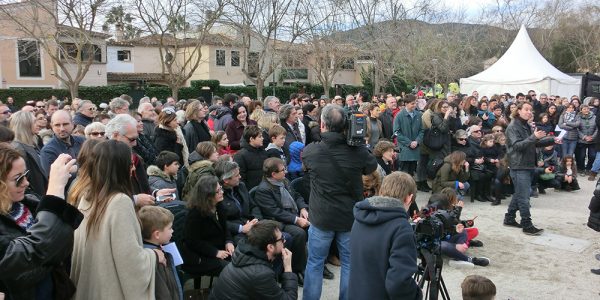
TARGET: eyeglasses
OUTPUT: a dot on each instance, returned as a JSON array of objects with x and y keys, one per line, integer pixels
[
  {"x": 38, "y": 106},
  {"x": 475, "y": 131},
  {"x": 282, "y": 170},
  {"x": 131, "y": 139},
  {"x": 282, "y": 239},
  {"x": 21, "y": 178},
  {"x": 100, "y": 133},
  {"x": 552, "y": 99},
  {"x": 462, "y": 139}
]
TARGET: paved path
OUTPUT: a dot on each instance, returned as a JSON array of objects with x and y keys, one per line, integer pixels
[{"x": 521, "y": 269}]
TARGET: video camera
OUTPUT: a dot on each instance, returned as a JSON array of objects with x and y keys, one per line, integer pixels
[
  {"x": 356, "y": 128},
  {"x": 434, "y": 226}
]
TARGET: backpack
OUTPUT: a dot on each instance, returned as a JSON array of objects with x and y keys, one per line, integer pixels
[{"x": 433, "y": 167}]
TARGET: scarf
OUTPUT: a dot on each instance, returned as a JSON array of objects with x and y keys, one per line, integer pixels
[
  {"x": 21, "y": 215},
  {"x": 287, "y": 201},
  {"x": 185, "y": 152}
]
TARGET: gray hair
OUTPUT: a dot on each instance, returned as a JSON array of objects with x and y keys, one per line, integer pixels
[
  {"x": 82, "y": 103},
  {"x": 334, "y": 118},
  {"x": 96, "y": 126},
  {"x": 117, "y": 103},
  {"x": 268, "y": 100},
  {"x": 225, "y": 169},
  {"x": 119, "y": 124},
  {"x": 143, "y": 106},
  {"x": 21, "y": 124},
  {"x": 285, "y": 111},
  {"x": 145, "y": 99}
]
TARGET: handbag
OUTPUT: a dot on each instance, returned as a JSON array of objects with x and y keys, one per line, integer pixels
[{"x": 434, "y": 139}]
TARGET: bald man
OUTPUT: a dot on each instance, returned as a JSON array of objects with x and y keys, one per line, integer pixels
[{"x": 62, "y": 142}]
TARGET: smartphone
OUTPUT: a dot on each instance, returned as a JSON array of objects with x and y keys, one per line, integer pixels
[{"x": 165, "y": 197}]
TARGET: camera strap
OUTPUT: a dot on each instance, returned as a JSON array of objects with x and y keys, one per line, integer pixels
[{"x": 337, "y": 166}]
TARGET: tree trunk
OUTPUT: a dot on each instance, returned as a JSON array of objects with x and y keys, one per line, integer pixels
[
  {"x": 326, "y": 85},
  {"x": 260, "y": 86},
  {"x": 74, "y": 90},
  {"x": 174, "y": 91}
]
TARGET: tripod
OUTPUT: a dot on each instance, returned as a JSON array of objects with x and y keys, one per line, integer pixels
[{"x": 430, "y": 269}]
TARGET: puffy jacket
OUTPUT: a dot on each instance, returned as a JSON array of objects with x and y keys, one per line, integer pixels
[
  {"x": 195, "y": 171},
  {"x": 332, "y": 194},
  {"x": 28, "y": 257},
  {"x": 222, "y": 118},
  {"x": 384, "y": 252},
  {"x": 250, "y": 275},
  {"x": 446, "y": 177},
  {"x": 81, "y": 119},
  {"x": 268, "y": 198},
  {"x": 159, "y": 180},
  {"x": 521, "y": 144},
  {"x": 587, "y": 126},
  {"x": 251, "y": 161},
  {"x": 295, "y": 163},
  {"x": 570, "y": 125},
  {"x": 594, "y": 219}
]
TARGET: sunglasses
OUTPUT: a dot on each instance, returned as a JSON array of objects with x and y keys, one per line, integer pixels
[
  {"x": 39, "y": 106},
  {"x": 101, "y": 133},
  {"x": 462, "y": 139},
  {"x": 131, "y": 140},
  {"x": 19, "y": 180}
]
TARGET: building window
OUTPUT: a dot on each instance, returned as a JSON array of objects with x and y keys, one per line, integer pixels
[
  {"x": 30, "y": 64},
  {"x": 69, "y": 50},
  {"x": 253, "y": 66},
  {"x": 348, "y": 64},
  {"x": 220, "y": 57},
  {"x": 235, "y": 58},
  {"x": 124, "y": 55}
]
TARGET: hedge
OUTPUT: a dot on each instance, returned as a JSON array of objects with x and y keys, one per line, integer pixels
[{"x": 96, "y": 94}]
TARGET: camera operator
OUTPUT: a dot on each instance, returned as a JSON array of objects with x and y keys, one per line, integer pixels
[
  {"x": 335, "y": 171},
  {"x": 384, "y": 253},
  {"x": 461, "y": 237}
]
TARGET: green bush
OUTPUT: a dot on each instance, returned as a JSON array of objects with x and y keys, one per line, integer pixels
[
  {"x": 96, "y": 94},
  {"x": 198, "y": 84},
  {"x": 99, "y": 94}
]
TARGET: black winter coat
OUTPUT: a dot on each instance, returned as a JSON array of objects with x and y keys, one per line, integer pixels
[
  {"x": 146, "y": 150},
  {"x": 195, "y": 132},
  {"x": 38, "y": 181},
  {"x": 28, "y": 257},
  {"x": 521, "y": 144},
  {"x": 332, "y": 196},
  {"x": 204, "y": 236},
  {"x": 166, "y": 140},
  {"x": 237, "y": 213},
  {"x": 594, "y": 219},
  {"x": 268, "y": 198},
  {"x": 250, "y": 276},
  {"x": 384, "y": 253},
  {"x": 251, "y": 161}
]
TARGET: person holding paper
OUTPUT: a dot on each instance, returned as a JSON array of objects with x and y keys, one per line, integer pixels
[{"x": 157, "y": 229}]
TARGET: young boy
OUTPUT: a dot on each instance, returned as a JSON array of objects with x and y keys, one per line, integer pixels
[
  {"x": 275, "y": 148},
  {"x": 251, "y": 157},
  {"x": 157, "y": 229},
  {"x": 163, "y": 175},
  {"x": 476, "y": 287}
]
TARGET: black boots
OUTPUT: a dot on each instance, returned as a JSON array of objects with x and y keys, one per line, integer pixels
[
  {"x": 497, "y": 198},
  {"x": 423, "y": 187}
]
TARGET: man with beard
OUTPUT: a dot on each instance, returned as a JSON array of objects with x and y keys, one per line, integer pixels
[{"x": 250, "y": 275}]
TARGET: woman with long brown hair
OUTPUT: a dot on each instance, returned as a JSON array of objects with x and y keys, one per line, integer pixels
[
  {"x": 454, "y": 173},
  {"x": 85, "y": 160},
  {"x": 109, "y": 261}
]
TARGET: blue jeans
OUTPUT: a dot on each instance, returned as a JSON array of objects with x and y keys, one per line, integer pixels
[
  {"x": 520, "y": 200},
  {"x": 568, "y": 147},
  {"x": 318, "y": 249},
  {"x": 449, "y": 246},
  {"x": 596, "y": 164}
]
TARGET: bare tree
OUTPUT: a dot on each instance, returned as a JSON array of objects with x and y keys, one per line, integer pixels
[
  {"x": 179, "y": 28},
  {"x": 63, "y": 29},
  {"x": 267, "y": 31}
]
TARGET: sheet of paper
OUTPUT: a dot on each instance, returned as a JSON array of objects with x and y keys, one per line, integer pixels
[
  {"x": 562, "y": 132},
  {"x": 171, "y": 248}
]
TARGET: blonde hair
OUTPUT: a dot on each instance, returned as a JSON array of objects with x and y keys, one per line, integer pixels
[
  {"x": 267, "y": 120},
  {"x": 154, "y": 218},
  {"x": 21, "y": 124},
  {"x": 398, "y": 185},
  {"x": 192, "y": 108}
]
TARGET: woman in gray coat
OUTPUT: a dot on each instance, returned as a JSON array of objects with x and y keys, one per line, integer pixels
[
  {"x": 568, "y": 122},
  {"x": 587, "y": 131}
]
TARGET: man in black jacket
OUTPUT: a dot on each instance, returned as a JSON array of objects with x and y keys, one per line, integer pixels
[
  {"x": 250, "y": 274},
  {"x": 521, "y": 142},
  {"x": 278, "y": 201},
  {"x": 335, "y": 171}
]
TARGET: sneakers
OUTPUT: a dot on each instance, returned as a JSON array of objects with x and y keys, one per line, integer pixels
[
  {"x": 461, "y": 264},
  {"x": 531, "y": 230},
  {"x": 475, "y": 243},
  {"x": 327, "y": 274},
  {"x": 534, "y": 193},
  {"x": 480, "y": 261},
  {"x": 512, "y": 223}
]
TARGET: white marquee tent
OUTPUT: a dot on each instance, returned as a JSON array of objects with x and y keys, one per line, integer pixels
[{"x": 520, "y": 69}]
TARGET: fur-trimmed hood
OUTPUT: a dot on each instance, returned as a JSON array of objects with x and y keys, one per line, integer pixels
[{"x": 155, "y": 171}]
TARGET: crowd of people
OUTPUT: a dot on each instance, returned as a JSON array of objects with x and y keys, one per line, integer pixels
[{"x": 263, "y": 194}]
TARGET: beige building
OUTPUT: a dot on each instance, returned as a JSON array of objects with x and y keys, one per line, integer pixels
[{"x": 25, "y": 63}]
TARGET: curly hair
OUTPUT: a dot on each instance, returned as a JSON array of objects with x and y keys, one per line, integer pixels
[{"x": 8, "y": 155}]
